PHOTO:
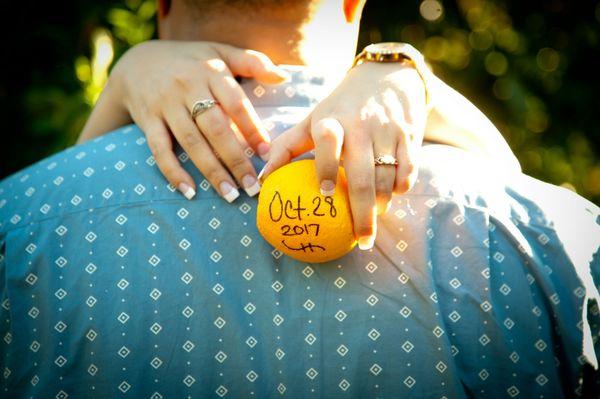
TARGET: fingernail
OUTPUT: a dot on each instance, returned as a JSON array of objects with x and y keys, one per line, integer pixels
[
  {"x": 387, "y": 206},
  {"x": 251, "y": 185},
  {"x": 366, "y": 243},
  {"x": 187, "y": 191},
  {"x": 229, "y": 192},
  {"x": 283, "y": 73},
  {"x": 263, "y": 151},
  {"x": 261, "y": 173},
  {"x": 260, "y": 176},
  {"x": 327, "y": 187}
]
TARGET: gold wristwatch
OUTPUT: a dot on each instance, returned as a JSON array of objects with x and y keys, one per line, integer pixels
[{"x": 397, "y": 52}]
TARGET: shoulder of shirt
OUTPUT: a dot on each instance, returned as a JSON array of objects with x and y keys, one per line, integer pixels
[
  {"x": 467, "y": 179},
  {"x": 115, "y": 169}
]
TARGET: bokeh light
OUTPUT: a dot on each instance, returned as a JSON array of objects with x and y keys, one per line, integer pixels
[
  {"x": 548, "y": 59},
  {"x": 481, "y": 39},
  {"x": 496, "y": 63},
  {"x": 431, "y": 10},
  {"x": 93, "y": 73},
  {"x": 503, "y": 88},
  {"x": 508, "y": 39}
]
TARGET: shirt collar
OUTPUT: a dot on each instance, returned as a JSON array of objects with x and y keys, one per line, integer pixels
[{"x": 304, "y": 88}]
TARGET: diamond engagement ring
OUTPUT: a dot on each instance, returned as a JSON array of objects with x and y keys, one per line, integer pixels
[
  {"x": 385, "y": 160},
  {"x": 201, "y": 106}
]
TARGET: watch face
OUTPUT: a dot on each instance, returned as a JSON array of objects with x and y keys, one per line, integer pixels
[{"x": 384, "y": 48}]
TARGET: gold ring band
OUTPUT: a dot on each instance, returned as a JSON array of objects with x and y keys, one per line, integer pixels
[
  {"x": 386, "y": 160},
  {"x": 201, "y": 106}
]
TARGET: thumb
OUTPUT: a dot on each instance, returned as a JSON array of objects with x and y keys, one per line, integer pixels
[
  {"x": 290, "y": 144},
  {"x": 251, "y": 64}
]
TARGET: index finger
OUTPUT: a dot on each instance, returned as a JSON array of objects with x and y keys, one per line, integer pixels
[
  {"x": 290, "y": 144},
  {"x": 239, "y": 108}
]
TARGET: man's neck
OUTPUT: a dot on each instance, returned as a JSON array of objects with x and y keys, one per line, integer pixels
[{"x": 319, "y": 38}]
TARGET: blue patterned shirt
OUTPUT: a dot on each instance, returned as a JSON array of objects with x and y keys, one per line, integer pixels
[{"x": 112, "y": 284}]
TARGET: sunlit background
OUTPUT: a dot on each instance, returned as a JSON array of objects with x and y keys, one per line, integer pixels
[{"x": 530, "y": 66}]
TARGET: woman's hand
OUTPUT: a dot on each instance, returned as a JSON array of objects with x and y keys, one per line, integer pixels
[
  {"x": 156, "y": 83},
  {"x": 378, "y": 109}
]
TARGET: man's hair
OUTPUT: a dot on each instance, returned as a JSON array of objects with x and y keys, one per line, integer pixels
[
  {"x": 201, "y": 8},
  {"x": 245, "y": 3}
]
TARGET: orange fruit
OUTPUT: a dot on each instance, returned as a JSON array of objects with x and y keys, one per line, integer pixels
[{"x": 296, "y": 219}]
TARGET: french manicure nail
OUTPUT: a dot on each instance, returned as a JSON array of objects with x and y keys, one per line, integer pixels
[
  {"x": 187, "y": 191},
  {"x": 261, "y": 173},
  {"x": 365, "y": 243},
  {"x": 387, "y": 207},
  {"x": 251, "y": 185},
  {"x": 229, "y": 192},
  {"x": 283, "y": 73},
  {"x": 327, "y": 187}
]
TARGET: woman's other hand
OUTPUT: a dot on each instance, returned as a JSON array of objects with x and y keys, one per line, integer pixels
[{"x": 157, "y": 84}]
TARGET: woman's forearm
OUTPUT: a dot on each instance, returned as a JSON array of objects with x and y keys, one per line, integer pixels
[
  {"x": 454, "y": 120},
  {"x": 108, "y": 114}
]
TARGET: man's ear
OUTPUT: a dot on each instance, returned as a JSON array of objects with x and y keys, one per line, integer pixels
[
  {"x": 164, "y": 6},
  {"x": 352, "y": 8}
]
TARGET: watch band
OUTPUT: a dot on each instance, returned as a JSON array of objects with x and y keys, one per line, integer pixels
[{"x": 402, "y": 52}]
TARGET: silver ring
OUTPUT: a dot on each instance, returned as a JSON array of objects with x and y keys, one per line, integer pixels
[
  {"x": 386, "y": 160},
  {"x": 201, "y": 106}
]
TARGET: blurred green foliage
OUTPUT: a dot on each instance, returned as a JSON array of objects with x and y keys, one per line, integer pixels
[{"x": 530, "y": 66}]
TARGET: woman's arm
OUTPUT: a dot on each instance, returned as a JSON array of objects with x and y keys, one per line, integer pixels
[
  {"x": 455, "y": 121},
  {"x": 108, "y": 114},
  {"x": 380, "y": 109},
  {"x": 156, "y": 84}
]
